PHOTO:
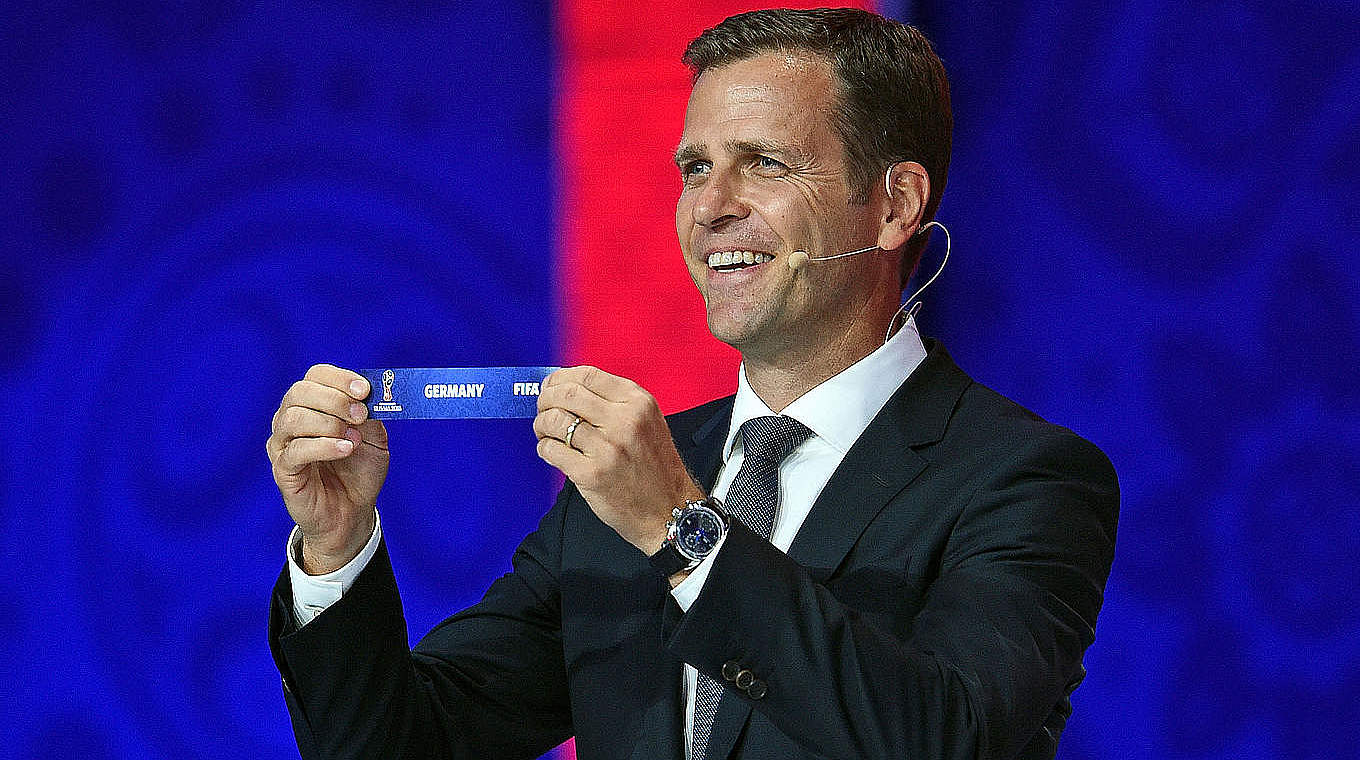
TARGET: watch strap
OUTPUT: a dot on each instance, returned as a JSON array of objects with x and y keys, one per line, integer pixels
[{"x": 669, "y": 560}]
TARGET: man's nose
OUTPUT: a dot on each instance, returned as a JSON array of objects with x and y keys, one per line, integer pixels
[{"x": 720, "y": 201}]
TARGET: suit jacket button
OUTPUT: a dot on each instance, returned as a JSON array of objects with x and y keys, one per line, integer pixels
[
  {"x": 744, "y": 679},
  {"x": 730, "y": 670},
  {"x": 757, "y": 689}
]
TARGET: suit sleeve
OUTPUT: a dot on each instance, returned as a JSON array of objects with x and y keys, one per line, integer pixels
[
  {"x": 488, "y": 682},
  {"x": 991, "y": 647}
]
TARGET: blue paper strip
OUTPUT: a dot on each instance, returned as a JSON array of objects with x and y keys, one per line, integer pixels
[{"x": 454, "y": 393}]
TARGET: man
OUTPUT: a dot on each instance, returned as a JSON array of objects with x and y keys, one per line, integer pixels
[{"x": 907, "y": 564}]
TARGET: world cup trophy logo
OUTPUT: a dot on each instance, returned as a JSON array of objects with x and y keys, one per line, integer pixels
[{"x": 389, "y": 379}]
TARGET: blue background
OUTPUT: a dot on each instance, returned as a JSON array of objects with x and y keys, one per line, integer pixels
[{"x": 1155, "y": 215}]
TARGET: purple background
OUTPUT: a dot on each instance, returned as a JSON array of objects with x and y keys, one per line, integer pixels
[{"x": 1155, "y": 215}]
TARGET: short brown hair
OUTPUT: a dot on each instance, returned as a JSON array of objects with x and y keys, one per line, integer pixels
[{"x": 893, "y": 91}]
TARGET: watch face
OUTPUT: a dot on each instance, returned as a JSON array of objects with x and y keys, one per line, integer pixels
[{"x": 697, "y": 532}]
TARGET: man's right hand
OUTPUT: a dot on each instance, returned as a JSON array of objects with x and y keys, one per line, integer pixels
[{"x": 329, "y": 461}]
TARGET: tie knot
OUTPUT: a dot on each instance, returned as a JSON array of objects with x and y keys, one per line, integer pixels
[{"x": 772, "y": 438}]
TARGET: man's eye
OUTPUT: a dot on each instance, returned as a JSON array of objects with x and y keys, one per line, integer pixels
[
  {"x": 693, "y": 170},
  {"x": 767, "y": 164}
]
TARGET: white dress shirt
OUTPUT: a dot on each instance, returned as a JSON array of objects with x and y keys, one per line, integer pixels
[
  {"x": 312, "y": 594},
  {"x": 837, "y": 412}
]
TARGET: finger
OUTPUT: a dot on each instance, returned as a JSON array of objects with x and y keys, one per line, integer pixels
[
  {"x": 351, "y": 383},
  {"x": 310, "y": 394},
  {"x": 301, "y": 452},
  {"x": 299, "y": 422},
  {"x": 577, "y": 399},
  {"x": 605, "y": 385},
  {"x": 552, "y": 423},
  {"x": 374, "y": 433},
  {"x": 556, "y": 423},
  {"x": 567, "y": 460}
]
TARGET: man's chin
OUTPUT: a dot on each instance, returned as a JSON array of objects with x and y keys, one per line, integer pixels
[
  {"x": 734, "y": 334},
  {"x": 747, "y": 335}
]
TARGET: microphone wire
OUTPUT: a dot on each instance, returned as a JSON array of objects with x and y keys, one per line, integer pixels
[{"x": 908, "y": 307}]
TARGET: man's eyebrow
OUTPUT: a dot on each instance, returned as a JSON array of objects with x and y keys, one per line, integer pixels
[
  {"x": 687, "y": 153},
  {"x": 749, "y": 147},
  {"x": 690, "y": 152}
]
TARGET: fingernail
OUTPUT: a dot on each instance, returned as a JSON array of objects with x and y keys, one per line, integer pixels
[
  {"x": 353, "y": 435},
  {"x": 356, "y": 412},
  {"x": 358, "y": 388},
  {"x": 344, "y": 445}
]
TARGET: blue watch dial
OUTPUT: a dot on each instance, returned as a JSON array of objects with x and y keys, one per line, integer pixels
[{"x": 698, "y": 532}]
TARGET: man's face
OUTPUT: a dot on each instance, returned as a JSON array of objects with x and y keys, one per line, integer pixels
[{"x": 764, "y": 173}]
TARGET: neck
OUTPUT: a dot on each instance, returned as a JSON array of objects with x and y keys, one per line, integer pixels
[{"x": 785, "y": 372}]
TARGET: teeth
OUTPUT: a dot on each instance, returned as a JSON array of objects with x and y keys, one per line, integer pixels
[{"x": 728, "y": 258}]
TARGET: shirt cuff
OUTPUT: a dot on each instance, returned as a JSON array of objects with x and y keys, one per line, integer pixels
[
  {"x": 312, "y": 594},
  {"x": 686, "y": 591}
]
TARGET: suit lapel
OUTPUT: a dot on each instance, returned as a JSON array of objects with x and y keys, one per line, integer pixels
[
  {"x": 881, "y": 463},
  {"x": 703, "y": 455}
]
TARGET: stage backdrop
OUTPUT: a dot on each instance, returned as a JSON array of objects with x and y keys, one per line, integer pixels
[{"x": 1155, "y": 219}]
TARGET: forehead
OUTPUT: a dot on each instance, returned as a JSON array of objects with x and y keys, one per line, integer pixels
[{"x": 788, "y": 96}]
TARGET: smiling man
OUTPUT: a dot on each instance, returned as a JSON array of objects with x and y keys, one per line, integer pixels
[
  {"x": 862, "y": 554},
  {"x": 766, "y": 173}
]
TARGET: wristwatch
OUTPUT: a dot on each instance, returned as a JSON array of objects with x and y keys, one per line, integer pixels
[{"x": 692, "y": 534}]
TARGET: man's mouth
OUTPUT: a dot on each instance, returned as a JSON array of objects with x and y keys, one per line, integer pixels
[{"x": 730, "y": 261}]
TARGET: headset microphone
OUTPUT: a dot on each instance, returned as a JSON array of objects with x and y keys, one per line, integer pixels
[{"x": 799, "y": 259}]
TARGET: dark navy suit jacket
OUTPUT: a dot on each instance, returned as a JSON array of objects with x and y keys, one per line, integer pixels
[{"x": 935, "y": 604}]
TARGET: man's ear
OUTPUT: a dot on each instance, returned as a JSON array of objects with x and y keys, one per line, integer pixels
[{"x": 906, "y": 186}]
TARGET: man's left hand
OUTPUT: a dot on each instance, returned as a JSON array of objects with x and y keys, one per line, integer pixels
[{"x": 621, "y": 455}]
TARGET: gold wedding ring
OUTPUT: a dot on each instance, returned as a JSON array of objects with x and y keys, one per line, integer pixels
[{"x": 571, "y": 431}]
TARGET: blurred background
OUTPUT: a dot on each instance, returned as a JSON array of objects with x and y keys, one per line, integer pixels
[{"x": 1155, "y": 215}]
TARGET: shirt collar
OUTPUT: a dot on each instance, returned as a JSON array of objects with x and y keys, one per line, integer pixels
[{"x": 842, "y": 406}]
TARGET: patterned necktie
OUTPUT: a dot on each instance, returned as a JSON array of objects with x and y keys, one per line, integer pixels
[{"x": 753, "y": 499}]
